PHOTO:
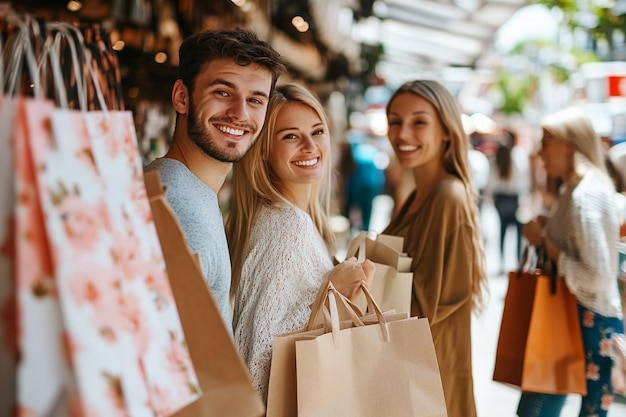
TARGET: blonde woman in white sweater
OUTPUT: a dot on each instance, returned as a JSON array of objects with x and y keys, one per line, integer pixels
[
  {"x": 278, "y": 233},
  {"x": 581, "y": 236}
]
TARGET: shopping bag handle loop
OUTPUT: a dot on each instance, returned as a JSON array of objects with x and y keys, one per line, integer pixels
[
  {"x": 76, "y": 43},
  {"x": 50, "y": 54},
  {"x": 373, "y": 306},
  {"x": 21, "y": 48},
  {"x": 319, "y": 307},
  {"x": 542, "y": 265},
  {"x": 357, "y": 247}
]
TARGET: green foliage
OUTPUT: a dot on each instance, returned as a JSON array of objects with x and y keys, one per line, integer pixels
[
  {"x": 520, "y": 87},
  {"x": 559, "y": 73},
  {"x": 569, "y": 7},
  {"x": 607, "y": 24},
  {"x": 515, "y": 91},
  {"x": 583, "y": 57}
]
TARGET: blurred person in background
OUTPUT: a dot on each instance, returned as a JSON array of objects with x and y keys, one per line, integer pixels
[
  {"x": 581, "y": 236},
  {"x": 508, "y": 186},
  {"x": 363, "y": 180},
  {"x": 440, "y": 226},
  {"x": 480, "y": 169}
]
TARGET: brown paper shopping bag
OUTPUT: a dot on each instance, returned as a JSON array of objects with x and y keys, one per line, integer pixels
[
  {"x": 226, "y": 387},
  {"x": 282, "y": 398},
  {"x": 393, "y": 282},
  {"x": 540, "y": 344},
  {"x": 282, "y": 393},
  {"x": 385, "y": 368},
  {"x": 397, "y": 244}
]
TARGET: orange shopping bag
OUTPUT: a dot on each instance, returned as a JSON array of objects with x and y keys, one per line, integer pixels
[{"x": 540, "y": 345}]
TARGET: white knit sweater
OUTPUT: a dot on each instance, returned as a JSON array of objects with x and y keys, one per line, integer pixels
[
  {"x": 584, "y": 225},
  {"x": 285, "y": 265}
]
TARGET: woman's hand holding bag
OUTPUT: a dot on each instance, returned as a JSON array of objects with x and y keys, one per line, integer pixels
[{"x": 348, "y": 275}]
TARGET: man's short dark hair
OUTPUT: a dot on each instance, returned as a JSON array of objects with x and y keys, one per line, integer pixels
[{"x": 241, "y": 45}]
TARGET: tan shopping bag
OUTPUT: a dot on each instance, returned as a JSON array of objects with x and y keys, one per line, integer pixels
[
  {"x": 393, "y": 282},
  {"x": 388, "y": 368},
  {"x": 282, "y": 393},
  {"x": 397, "y": 244},
  {"x": 282, "y": 398},
  {"x": 226, "y": 387}
]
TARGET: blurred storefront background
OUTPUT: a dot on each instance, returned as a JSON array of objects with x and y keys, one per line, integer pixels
[{"x": 508, "y": 62}]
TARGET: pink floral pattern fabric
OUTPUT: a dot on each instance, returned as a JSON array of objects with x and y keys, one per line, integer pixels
[
  {"x": 42, "y": 373},
  {"x": 598, "y": 338},
  {"x": 112, "y": 328}
]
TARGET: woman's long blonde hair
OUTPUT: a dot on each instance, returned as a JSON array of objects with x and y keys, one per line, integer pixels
[
  {"x": 456, "y": 162},
  {"x": 254, "y": 185}
]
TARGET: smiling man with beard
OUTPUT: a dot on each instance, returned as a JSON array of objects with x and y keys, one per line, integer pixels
[{"x": 225, "y": 78}]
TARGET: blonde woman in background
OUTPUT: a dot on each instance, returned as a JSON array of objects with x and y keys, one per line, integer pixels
[
  {"x": 439, "y": 223},
  {"x": 278, "y": 233},
  {"x": 580, "y": 236}
]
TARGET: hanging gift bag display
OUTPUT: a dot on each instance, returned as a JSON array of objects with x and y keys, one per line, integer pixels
[
  {"x": 42, "y": 375},
  {"x": 99, "y": 331}
]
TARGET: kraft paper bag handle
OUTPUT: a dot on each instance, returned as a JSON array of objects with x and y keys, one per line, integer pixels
[
  {"x": 320, "y": 300},
  {"x": 373, "y": 306},
  {"x": 319, "y": 306},
  {"x": 334, "y": 312},
  {"x": 359, "y": 252},
  {"x": 357, "y": 246}
]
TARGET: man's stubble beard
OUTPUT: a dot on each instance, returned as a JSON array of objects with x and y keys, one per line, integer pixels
[{"x": 200, "y": 136}]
